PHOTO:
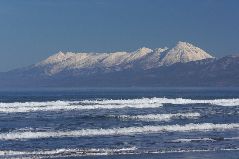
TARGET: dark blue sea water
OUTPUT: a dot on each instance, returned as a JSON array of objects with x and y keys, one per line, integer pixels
[{"x": 120, "y": 123}]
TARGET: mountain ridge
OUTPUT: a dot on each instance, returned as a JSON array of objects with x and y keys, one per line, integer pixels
[{"x": 145, "y": 58}]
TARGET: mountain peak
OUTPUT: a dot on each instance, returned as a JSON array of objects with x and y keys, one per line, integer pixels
[
  {"x": 185, "y": 52},
  {"x": 184, "y": 44},
  {"x": 60, "y": 53},
  {"x": 144, "y": 50},
  {"x": 188, "y": 47},
  {"x": 161, "y": 49},
  {"x": 58, "y": 57}
]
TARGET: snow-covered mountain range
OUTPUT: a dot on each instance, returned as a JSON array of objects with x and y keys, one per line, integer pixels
[
  {"x": 182, "y": 65},
  {"x": 143, "y": 58}
]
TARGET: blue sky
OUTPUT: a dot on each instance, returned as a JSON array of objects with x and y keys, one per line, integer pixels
[{"x": 31, "y": 30}]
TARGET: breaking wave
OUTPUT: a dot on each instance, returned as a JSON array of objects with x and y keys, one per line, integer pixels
[
  {"x": 160, "y": 101},
  {"x": 98, "y": 152},
  {"x": 205, "y": 139},
  {"x": 68, "y": 152},
  {"x": 108, "y": 104},
  {"x": 74, "y": 105},
  {"x": 19, "y": 135},
  {"x": 160, "y": 117}
]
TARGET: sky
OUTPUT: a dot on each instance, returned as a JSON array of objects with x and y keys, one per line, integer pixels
[{"x": 32, "y": 30}]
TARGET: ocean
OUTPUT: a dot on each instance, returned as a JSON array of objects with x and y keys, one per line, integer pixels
[{"x": 119, "y": 123}]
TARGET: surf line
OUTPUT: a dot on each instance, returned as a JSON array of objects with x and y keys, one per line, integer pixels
[{"x": 24, "y": 135}]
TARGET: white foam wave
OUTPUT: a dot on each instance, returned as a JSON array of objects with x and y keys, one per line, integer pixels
[
  {"x": 160, "y": 117},
  {"x": 107, "y": 104},
  {"x": 19, "y": 135},
  {"x": 198, "y": 150},
  {"x": 62, "y": 105},
  {"x": 97, "y": 152},
  {"x": 37, "y": 106},
  {"x": 191, "y": 140},
  {"x": 219, "y": 102},
  {"x": 206, "y": 139},
  {"x": 68, "y": 152}
]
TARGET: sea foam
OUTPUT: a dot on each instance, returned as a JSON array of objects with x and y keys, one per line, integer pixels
[
  {"x": 64, "y": 152},
  {"x": 24, "y": 135},
  {"x": 179, "y": 101},
  {"x": 160, "y": 117},
  {"x": 212, "y": 139},
  {"x": 109, "y": 104}
]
